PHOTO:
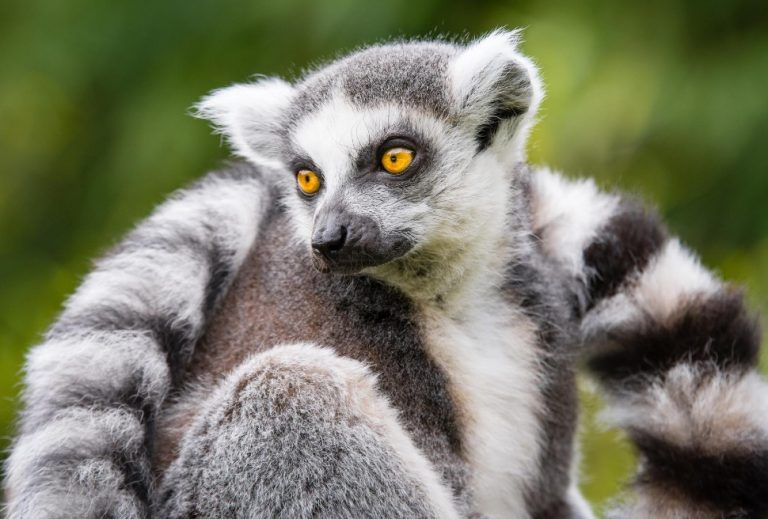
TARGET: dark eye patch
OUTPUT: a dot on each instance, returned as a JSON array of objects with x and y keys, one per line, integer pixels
[
  {"x": 299, "y": 162},
  {"x": 368, "y": 159}
]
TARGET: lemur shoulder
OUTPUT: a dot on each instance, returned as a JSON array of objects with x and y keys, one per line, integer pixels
[{"x": 379, "y": 313}]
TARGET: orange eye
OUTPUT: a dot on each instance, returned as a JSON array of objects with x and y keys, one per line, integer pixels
[
  {"x": 308, "y": 181},
  {"x": 396, "y": 160}
]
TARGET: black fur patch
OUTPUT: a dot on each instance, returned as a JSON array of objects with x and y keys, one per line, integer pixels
[
  {"x": 625, "y": 245},
  {"x": 513, "y": 92},
  {"x": 716, "y": 331},
  {"x": 219, "y": 276},
  {"x": 177, "y": 339},
  {"x": 486, "y": 132},
  {"x": 733, "y": 482},
  {"x": 137, "y": 479}
]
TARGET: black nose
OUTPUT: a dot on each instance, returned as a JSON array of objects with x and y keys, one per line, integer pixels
[{"x": 330, "y": 240}]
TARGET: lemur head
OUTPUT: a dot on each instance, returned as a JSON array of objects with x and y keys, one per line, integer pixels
[{"x": 396, "y": 157}]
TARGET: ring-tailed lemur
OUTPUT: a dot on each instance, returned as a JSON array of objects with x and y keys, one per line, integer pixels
[{"x": 380, "y": 316}]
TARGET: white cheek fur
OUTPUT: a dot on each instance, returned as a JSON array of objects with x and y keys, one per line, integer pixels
[{"x": 333, "y": 136}]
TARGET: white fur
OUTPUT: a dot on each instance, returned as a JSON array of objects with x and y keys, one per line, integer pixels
[
  {"x": 467, "y": 243},
  {"x": 248, "y": 115},
  {"x": 673, "y": 277},
  {"x": 333, "y": 135},
  {"x": 492, "y": 367},
  {"x": 660, "y": 503},
  {"x": 716, "y": 413},
  {"x": 581, "y": 508},
  {"x": 94, "y": 437},
  {"x": 568, "y": 214},
  {"x": 579, "y": 505},
  {"x": 92, "y": 364},
  {"x": 477, "y": 70}
]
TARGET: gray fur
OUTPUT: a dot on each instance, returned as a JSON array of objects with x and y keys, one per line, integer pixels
[
  {"x": 412, "y": 74},
  {"x": 287, "y": 437}
]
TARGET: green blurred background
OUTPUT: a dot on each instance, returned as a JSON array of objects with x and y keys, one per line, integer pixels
[{"x": 668, "y": 99}]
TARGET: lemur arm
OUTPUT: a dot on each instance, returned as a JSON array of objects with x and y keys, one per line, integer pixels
[
  {"x": 674, "y": 349},
  {"x": 93, "y": 387}
]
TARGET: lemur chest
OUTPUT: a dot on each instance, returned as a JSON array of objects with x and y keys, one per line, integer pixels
[{"x": 489, "y": 354}]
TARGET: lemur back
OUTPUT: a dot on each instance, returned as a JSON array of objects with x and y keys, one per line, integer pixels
[{"x": 381, "y": 315}]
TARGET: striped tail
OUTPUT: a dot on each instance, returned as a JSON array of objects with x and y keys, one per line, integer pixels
[
  {"x": 673, "y": 348},
  {"x": 92, "y": 389}
]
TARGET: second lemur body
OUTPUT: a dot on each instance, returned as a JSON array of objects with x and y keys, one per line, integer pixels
[{"x": 380, "y": 315}]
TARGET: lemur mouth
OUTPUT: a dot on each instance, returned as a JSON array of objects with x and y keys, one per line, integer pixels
[{"x": 358, "y": 255}]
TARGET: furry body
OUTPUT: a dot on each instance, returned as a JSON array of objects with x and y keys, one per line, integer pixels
[
  {"x": 215, "y": 364},
  {"x": 415, "y": 351}
]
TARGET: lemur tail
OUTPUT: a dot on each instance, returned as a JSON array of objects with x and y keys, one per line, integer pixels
[
  {"x": 93, "y": 388},
  {"x": 676, "y": 352},
  {"x": 673, "y": 348}
]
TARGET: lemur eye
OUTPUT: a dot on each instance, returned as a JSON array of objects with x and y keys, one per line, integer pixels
[
  {"x": 308, "y": 181},
  {"x": 396, "y": 160}
]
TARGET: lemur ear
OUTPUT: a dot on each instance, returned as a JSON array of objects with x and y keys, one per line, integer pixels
[
  {"x": 249, "y": 115},
  {"x": 497, "y": 91}
]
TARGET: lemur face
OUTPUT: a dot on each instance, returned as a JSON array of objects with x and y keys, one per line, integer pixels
[
  {"x": 391, "y": 152},
  {"x": 365, "y": 180}
]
